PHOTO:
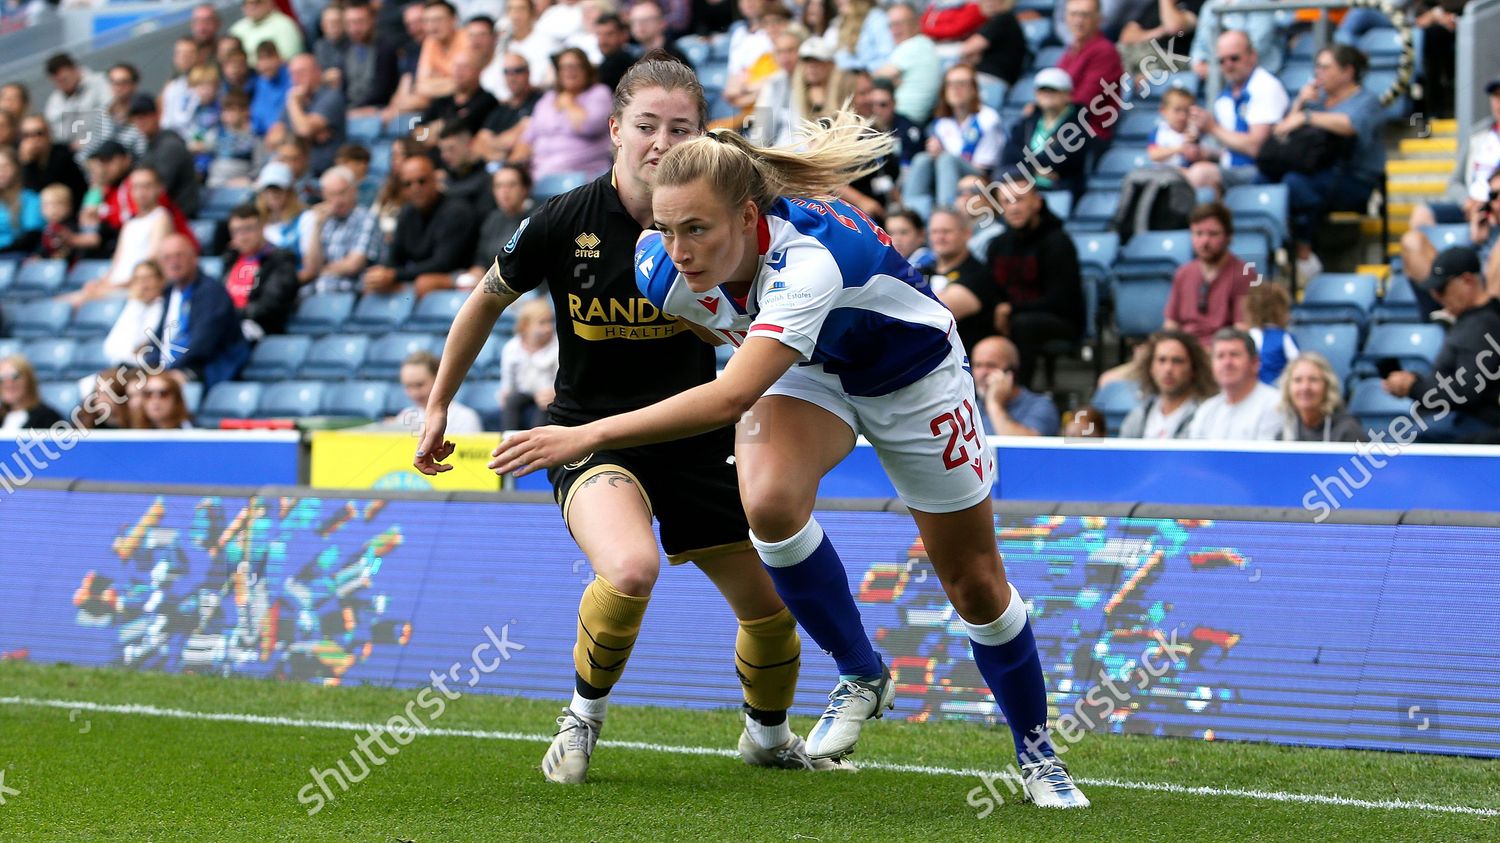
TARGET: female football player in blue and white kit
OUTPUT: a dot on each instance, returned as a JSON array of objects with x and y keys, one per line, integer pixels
[{"x": 836, "y": 336}]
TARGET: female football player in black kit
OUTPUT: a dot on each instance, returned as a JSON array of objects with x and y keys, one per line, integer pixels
[{"x": 619, "y": 353}]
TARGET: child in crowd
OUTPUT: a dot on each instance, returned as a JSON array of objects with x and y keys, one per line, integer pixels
[
  {"x": 1174, "y": 141},
  {"x": 234, "y": 145},
  {"x": 528, "y": 367},
  {"x": 57, "y": 235},
  {"x": 1268, "y": 310},
  {"x": 204, "y": 126}
]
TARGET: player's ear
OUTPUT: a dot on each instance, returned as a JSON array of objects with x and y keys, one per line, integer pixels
[
  {"x": 749, "y": 214},
  {"x": 614, "y": 134}
]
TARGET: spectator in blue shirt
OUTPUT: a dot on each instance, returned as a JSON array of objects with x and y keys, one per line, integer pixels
[
  {"x": 21, "y": 221},
  {"x": 268, "y": 92},
  {"x": 1010, "y": 409}
]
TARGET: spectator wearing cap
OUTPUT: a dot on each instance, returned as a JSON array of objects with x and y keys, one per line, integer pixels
[
  {"x": 261, "y": 279},
  {"x": 264, "y": 23},
  {"x": 1093, "y": 63},
  {"x": 199, "y": 329},
  {"x": 1035, "y": 265},
  {"x": 964, "y": 139},
  {"x": 1418, "y": 251},
  {"x": 1465, "y": 373},
  {"x": 1048, "y": 146},
  {"x": 113, "y": 123},
  {"x": 913, "y": 65},
  {"x": 615, "y": 56},
  {"x": 167, "y": 153},
  {"x": 346, "y": 236},
  {"x": 268, "y": 94},
  {"x": 1010, "y": 409},
  {"x": 314, "y": 114},
  {"x": 103, "y": 210},
  {"x": 1250, "y": 104},
  {"x": 78, "y": 94},
  {"x": 1209, "y": 291},
  {"x": 1245, "y": 408},
  {"x": 434, "y": 235},
  {"x": 1469, "y": 187},
  {"x": 1174, "y": 379},
  {"x": 287, "y": 224}
]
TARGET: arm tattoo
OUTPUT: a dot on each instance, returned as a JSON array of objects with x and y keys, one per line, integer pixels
[{"x": 495, "y": 285}]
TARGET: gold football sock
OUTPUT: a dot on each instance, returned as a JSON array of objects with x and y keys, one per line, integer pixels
[
  {"x": 608, "y": 623},
  {"x": 767, "y": 656}
]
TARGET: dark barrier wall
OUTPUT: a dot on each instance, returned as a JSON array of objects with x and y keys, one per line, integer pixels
[{"x": 1227, "y": 625}]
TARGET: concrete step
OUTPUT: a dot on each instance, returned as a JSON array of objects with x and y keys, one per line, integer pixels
[
  {"x": 1419, "y": 167},
  {"x": 1413, "y": 188},
  {"x": 1379, "y": 270},
  {"x": 1447, "y": 127}
]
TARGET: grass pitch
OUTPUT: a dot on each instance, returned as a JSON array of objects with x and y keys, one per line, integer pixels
[{"x": 113, "y": 755}]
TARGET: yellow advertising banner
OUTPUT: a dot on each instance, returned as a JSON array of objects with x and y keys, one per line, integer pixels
[{"x": 353, "y": 460}]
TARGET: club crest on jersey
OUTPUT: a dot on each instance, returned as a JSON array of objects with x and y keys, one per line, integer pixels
[
  {"x": 710, "y": 304},
  {"x": 588, "y": 245},
  {"x": 777, "y": 260},
  {"x": 515, "y": 238}
]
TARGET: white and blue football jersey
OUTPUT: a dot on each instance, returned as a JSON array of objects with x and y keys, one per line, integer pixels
[{"x": 830, "y": 286}]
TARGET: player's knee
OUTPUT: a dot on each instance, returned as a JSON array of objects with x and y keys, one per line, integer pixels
[
  {"x": 776, "y": 514},
  {"x": 977, "y": 593},
  {"x": 630, "y": 572}
]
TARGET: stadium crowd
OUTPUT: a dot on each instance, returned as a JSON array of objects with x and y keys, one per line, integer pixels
[{"x": 311, "y": 156}]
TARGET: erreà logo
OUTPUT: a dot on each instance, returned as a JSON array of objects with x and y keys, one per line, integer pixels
[
  {"x": 588, "y": 245},
  {"x": 710, "y": 304},
  {"x": 514, "y": 238}
]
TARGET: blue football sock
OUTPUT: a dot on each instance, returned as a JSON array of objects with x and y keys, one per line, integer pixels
[
  {"x": 1005, "y": 652},
  {"x": 810, "y": 579}
]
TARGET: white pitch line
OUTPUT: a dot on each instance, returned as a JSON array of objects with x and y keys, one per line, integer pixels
[{"x": 483, "y": 734}]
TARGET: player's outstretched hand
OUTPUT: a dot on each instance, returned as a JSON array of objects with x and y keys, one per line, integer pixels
[
  {"x": 433, "y": 449},
  {"x": 538, "y": 448}
]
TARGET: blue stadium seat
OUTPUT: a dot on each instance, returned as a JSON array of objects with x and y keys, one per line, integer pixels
[
  {"x": 694, "y": 48},
  {"x": 396, "y": 400},
  {"x": 1443, "y": 236},
  {"x": 1296, "y": 73},
  {"x": 1037, "y": 31},
  {"x": 380, "y": 159},
  {"x": 1115, "y": 164},
  {"x": 360, "y": 399},
  {"x": 1047, "y": 57},
  {"x": 211, "y": 267},
  {"x": 1097, "y": 251},
  {"x": 95, "y": 318},
  {"x": 1254, "y": 248},
  {"x": 505, "y": 326},
  {"x": 552, "y": 184},
  {"x": 713, "y": 77},
  {"x": 435, "y": 311},
  {"x": 38, "y": 319},
  {"x": 1416, "y": 346},
  {"x": 1021, "y": 93},
  {"x": 277, "y": 357},
  {"x": 1115, "y": 400},
  {"x": 1379, "y": 80},
  {"x": 321, "y": 314},
  {"x": 1262, "y": 207},
  {"x": 376, "y": 314},
  {"x": 1399, "y": 304},
  {"x": 219, "y": 201},
  {"x": 39, "y": 278},
  {"x": 1041, "y": 7},
  {"x": 487, "y": 364},
  {"x": 88, "y": 359},
  {"x": 61, "y": 396},
  {"x": 1155, "y": 253},
  {"x": 1337, "y": 297},
  {"x": 1382, "y": 46},
  {"x": 290, "y": 399},
  {"x": 386, "y": 353},
  {"x": 719, "y": 49},
  {"x": 1374, "y": 407},
  {"x": 1135, "y": 126},
  {"x": 9, "y": 347},
  {"x": 1095, "y": 211},
  {"x": 83, "y": 272},
  {"x": 1339, "y": 343},
  {"x": 402, "y": 125},
  {"x": 229, "y": 400},
  {"x": 1140, "y": 305},
  {"x": 192, "y": 395},
  {"x": 49, "y": 357},
  {"x": 335, "y": 357},
  {"x": 363, "y": 130},
  {"x": 1059, "y": 202},
  {"x": 722, "y": 353},
  {"x": 7, "y": 276},
  {"x": 482, "y": 396},
  {"x": 205, "y": 232}
]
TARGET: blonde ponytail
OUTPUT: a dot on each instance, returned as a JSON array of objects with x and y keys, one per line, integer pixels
[{"x": 828, "y": 155}]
